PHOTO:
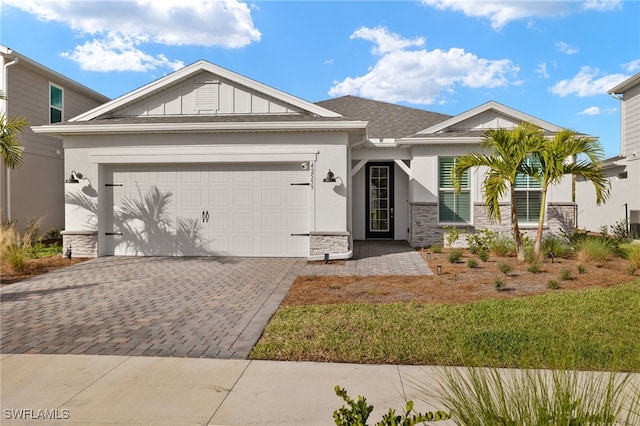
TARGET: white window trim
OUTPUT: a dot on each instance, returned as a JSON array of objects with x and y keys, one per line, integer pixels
[
  {"x": 51, "y": 104},
  {"x": 469, "y": 189}
]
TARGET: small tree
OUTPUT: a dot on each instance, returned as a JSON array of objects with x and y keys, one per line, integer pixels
[
  {"x": 508, "y": 150},
  {"x": 554, "y": 155}
]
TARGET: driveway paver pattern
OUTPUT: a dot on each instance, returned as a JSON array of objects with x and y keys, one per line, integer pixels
[
  {"x": 201, "y": 307},
  {"x": 208, "y": 307}
]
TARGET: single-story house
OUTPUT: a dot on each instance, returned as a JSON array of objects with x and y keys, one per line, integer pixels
[
  {"x": 42, "y": 96},
  {"x": 622, "y": 171},
  {"x": 205, "y": 161}
]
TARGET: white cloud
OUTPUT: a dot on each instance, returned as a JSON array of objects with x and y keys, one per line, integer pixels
[
  {"x": 224, "y": 23},
  {"x": 500, "y": 13},
  {"x": 632, "y": 66},
  {"x": 594, "y": 110},
  {"x": 587, "y": 83},
  {"x": 542, "y": 70},
  {"x": 115, "y": 53},
  {"x": 602, "y": 5},
  {"x": 566, "y": 48},
  {"x": 385, "y": 41},
  {"x": 421, "y": 76}
]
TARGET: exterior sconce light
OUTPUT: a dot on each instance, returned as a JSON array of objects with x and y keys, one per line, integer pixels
[
  {"x": 74, "y": 177},
  {"x": 439, "y": 269},
  {"x": 330, "y": 177}
]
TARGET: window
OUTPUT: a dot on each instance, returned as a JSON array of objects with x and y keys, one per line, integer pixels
[
  {"x": 55, "y": 104},
  {"x": 528, "y": 195},
  {"x": 453, "y": 207}
]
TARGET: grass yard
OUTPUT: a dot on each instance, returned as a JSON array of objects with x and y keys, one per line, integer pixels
[{"x": 590, "y": 329}]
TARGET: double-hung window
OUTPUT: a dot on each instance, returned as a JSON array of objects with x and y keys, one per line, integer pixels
[
  {"x": 55, "y": 104},
  {"x": 528, "y": 195},
  {"x": 453, "y": 207}
]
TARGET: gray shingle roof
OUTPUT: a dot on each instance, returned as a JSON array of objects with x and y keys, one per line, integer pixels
[{"x": 386, "y": 120}]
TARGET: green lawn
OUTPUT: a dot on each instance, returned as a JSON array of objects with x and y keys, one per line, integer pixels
[{"x": 596, "y": 329}]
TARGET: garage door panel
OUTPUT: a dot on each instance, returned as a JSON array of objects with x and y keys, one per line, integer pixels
[{"x": 216, "y": 209}]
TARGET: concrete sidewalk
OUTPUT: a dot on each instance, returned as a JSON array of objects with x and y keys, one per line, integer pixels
[{"x": 122, "y": 390}]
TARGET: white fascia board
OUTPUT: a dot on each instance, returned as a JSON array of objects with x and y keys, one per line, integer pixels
[
  {"x": 486, "y": 107},
  {"x": 440, "y": 141},
  {"x": 193, "y": 69},
  {"x": 60, "y": 130},
  {"x": 625, "y": 85}
]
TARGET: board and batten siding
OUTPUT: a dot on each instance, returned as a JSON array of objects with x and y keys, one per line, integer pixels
[
  {"x": 204, "y": 93},
  {"x": 631, "y": 122}
]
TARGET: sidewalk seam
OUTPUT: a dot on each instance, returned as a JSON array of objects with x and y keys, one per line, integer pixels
[{"x": 244, "y": 370}]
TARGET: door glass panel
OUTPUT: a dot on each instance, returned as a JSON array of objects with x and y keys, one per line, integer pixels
[{"x": 378, "y": 198}]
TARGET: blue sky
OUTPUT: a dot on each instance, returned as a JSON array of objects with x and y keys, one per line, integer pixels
[{"x": 554, "y": 60}]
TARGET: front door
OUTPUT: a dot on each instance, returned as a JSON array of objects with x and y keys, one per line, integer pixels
[{"x": 379, "y": 200}]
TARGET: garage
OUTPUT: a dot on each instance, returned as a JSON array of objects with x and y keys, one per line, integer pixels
[{"x": 229, "y": 209}]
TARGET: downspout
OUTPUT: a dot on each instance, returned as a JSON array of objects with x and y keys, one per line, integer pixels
[{"x": 5, "y": 90}]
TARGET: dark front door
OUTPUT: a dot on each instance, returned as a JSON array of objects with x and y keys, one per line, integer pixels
[{"x": 379, "y": 200}]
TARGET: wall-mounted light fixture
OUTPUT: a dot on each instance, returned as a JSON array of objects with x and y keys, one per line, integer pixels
[
  {"x": 74, "y": 178},
  {"x": 330, "y": 177}
]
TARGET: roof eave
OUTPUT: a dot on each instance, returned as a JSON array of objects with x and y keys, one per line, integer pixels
[
  {"x": 467, "y": 140},
  {"x": 156, "y": 128},
  {"x": 625, "y": 85}
]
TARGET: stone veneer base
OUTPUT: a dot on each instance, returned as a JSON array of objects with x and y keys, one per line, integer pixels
[
  {"x": 328, "y": 242},
  {"x": 82, "y": 243}
]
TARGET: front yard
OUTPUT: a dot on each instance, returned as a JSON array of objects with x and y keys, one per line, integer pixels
[{"x": 568, "y": 314}]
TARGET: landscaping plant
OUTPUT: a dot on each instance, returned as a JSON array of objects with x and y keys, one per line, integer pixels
[
  {"x": 595, "y": 250},
  {"x": 490, "y": 396},
  {"x": 505, "y": 268},
  {"x": 454, "y": 256}
]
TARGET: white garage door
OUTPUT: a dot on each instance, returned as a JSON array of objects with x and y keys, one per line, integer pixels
[{"x": 216, "y": 210}]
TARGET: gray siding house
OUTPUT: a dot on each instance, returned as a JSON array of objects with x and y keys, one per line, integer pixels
[
  {"x": 43, "y": 97},
  {"x": 623, "y": 171}
]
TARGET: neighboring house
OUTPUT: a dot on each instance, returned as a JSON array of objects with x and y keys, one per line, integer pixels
[
  {"x": 207, "y": 162},
  {"x": 42, "y": 96},
  {"x": 622, "y": 171}
]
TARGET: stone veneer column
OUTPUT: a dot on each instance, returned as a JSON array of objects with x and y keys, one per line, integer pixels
[
  {"x": 82, "y": 243},
  {"x": 561, "y": 216},
  {"x": 481, "y": 219},
  {"x": 328, "y": 242},
  {"x": 425, "y": 230}
]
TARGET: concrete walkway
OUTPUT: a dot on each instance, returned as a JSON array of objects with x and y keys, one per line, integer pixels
[{"x": 115, "y": 390}]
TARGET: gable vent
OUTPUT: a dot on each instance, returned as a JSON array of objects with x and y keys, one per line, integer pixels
[{"x": 206, "y": 99}]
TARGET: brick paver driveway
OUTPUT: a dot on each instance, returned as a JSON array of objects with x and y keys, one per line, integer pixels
[{"x": 193, "y": 307}]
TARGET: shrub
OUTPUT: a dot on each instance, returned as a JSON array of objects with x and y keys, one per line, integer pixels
[
  {"x": 501, "y": 245},
  {"x": 436, "y": 248},
  {"x": 8, "y": 239},
  {"x": 17, "y": 259},
  {"x": 483, "y": 255},
  {"x": 565, "y": 274},
  {"x": 498, "y": 283},
  {"x": 479, "y": 242},
  {"x": 534, "y": 268},
  {"x": 529, "y": 256},
  {"x": 595, "y": 250},
  {"x": 553, "y": 285},
  {"x": 451, "y": 234},
  {"x": 631, "y": 270},
  {"x": 472, "y": 263},
  {"x": 505, "y": 268},
  {"x": 632, "y": 253},
  {"x": 357, "y": 413},
  {"x": 31, "y": 232},
  {"x": 621, "y": 230},
  {"x": 492, "y": 396},
  {"x": 454, "y": 256},
  {"x": 582, "y": 269},
  {"x": 555, "y": 244}
]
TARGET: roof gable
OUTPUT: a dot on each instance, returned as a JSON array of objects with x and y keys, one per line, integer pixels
[
  {"x": 490, "y": 115},
  {"x": 203, "y": 88}
]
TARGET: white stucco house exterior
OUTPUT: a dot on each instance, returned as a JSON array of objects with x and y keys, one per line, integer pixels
[
  {"x": 208, "y": 162},
  {"x": 622, "y": 171},
  {"x": 42, "y": 96}
]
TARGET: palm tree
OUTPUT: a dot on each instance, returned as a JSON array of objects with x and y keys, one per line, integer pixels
[
  {"x": 554, "y": 157},
  {"x": 10, "y": 148},
  {"x": 508, "y": 150}
]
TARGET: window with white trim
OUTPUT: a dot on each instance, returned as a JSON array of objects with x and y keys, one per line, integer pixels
[
  {"x": 453, "y": 207},
  {"x": 55, "y": 104},
  {"x": 528, "y": 195}
]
